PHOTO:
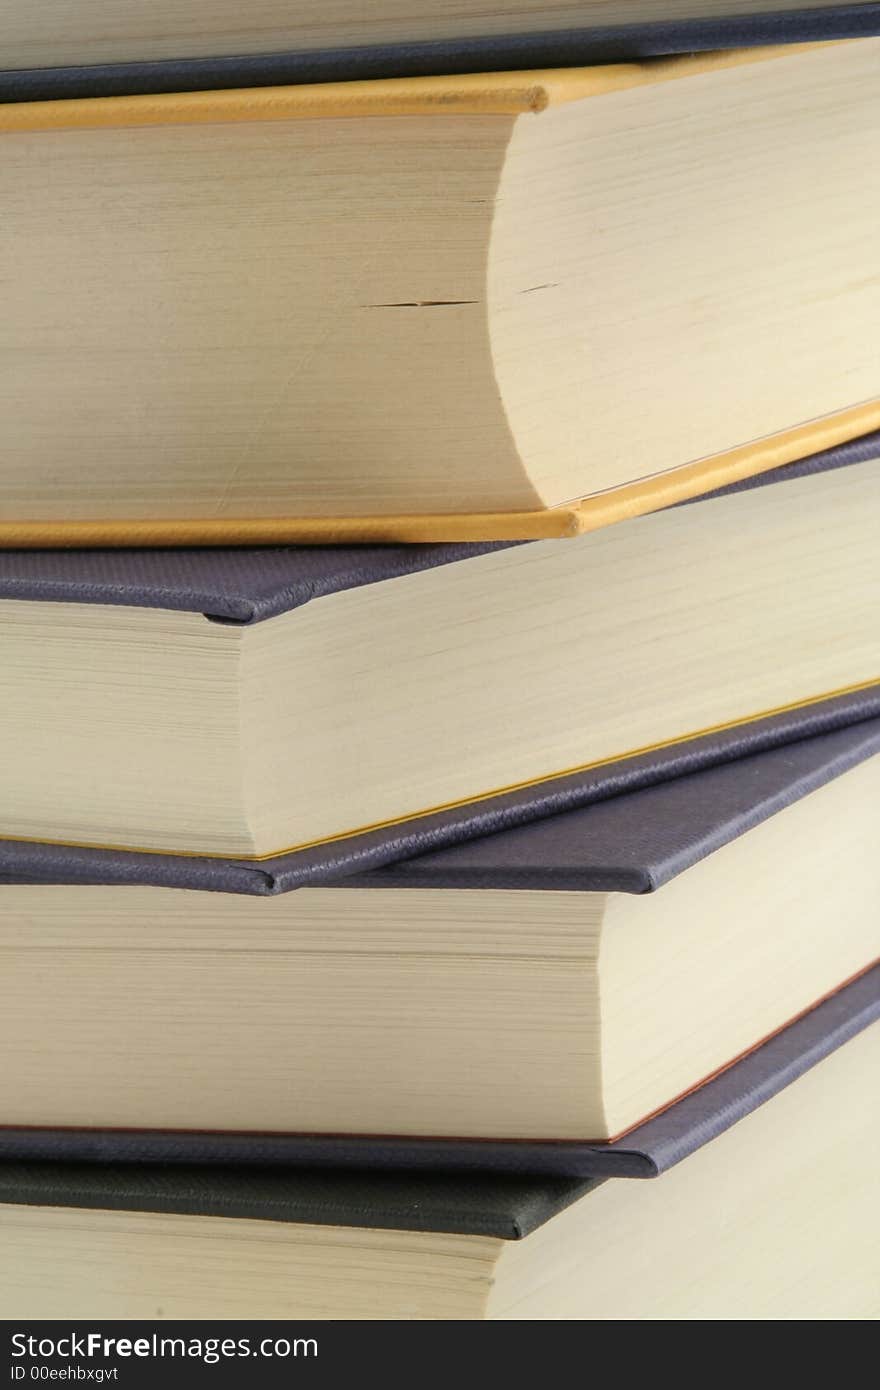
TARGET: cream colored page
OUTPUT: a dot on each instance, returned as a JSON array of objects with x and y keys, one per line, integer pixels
[
  {"x": 147, "y": 1266},
  {"x": 683, "y": 268},
  {"x": 327, "y": 1010},
  {"x": 533, "y": 661},
  {"x": 120, "y": 718},
  {"x": 256, "y": 319},
  {"x": 776, "y": 1218},
  {"x": 738, "y": 944},
  {"x": 387, "y": 700}
]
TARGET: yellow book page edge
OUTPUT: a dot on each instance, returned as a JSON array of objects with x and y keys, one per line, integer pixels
[
  {"x": 473, "y": 94},
  {"x": 573, "y": 519},
  {"x": 461, "y": 801}
]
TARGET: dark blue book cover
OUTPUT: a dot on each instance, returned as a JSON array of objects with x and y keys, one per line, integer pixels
[{"x": 585, "y": 41}]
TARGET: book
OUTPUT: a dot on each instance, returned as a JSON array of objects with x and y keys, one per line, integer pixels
[
  {"x": 561, "y": 981},
  {"x": 644, "y": 1152},
  {"x": 95, "y": 50},
  {"x": 151, "y": 728},
  {"x": 256, "y": 339},
  {"x": 330, "y": 860},
  {"x": 774, "y": 1218}
]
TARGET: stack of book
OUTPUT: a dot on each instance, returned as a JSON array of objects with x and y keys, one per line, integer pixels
[{"x": 440, "y": 620}]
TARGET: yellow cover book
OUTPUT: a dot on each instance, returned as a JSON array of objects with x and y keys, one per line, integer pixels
[{"x": 487, "y": 307}]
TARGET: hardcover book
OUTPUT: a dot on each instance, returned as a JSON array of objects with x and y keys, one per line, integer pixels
[
  {"x": 257, "y": 338},
  {"x": 354, "y": 689},
  {"x": 93, "y": 48},
  {"x": 562, "y": 981},
  {"x": 774, "y": 1218}
]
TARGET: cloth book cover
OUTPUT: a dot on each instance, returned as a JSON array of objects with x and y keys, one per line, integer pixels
[
  {"x": 500, "y": 1188},
  {"x": 580, "y": 43}
]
